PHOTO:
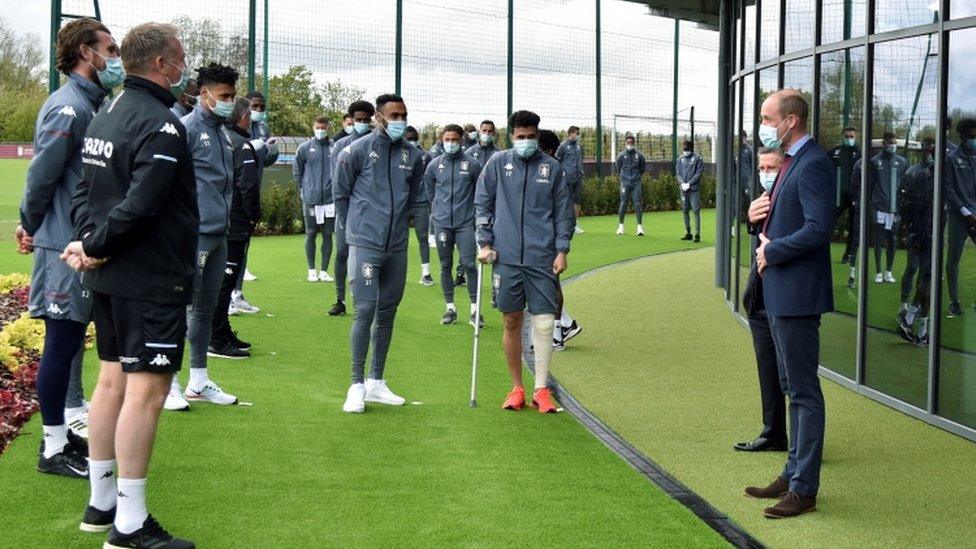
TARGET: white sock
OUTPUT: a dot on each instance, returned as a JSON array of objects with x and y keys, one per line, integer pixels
[
  {"x": 198, "y": 377},
  {"x": 474, "y": 308},
  {"x": 131, "y": 507},
  {"x": 887, "y": 273},
  {"x": 542, "y": 342},
  {"x": 451, "y": 307},
  {"x": 175, "y": 384},
  {"x": 904, "y": 307},
  {"x": 924, "y": 329},
  {"x": 853, "y": 271},
  {"x": 565, "y": 320},
  {"x": 313, "y": 272},
  {"x": 425, "y": 269},
  {"x": 55, "y": 439},
  {"x": 236, "y": 294},
  {"x": 101, "y": 477},
  {"x": 620, "y": 226},
  {"x": 910, "y": 316}
]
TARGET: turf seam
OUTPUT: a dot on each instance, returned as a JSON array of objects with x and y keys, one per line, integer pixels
[{"x": 651, "y": 470}]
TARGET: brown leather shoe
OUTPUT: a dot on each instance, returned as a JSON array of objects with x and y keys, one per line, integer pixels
[
  {"x": 775, "y": 490},
  {"x": 791, "y": 505}
]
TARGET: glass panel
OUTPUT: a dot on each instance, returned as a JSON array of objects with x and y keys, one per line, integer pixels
[
  {"x": 800, "y": 25},
  {"x": 799, "y": 76},
  {"x": 957, "y": 375},
  {"x": 899, "y": 14},
  {"x": 899, "y": 215},
  {"x": 735, "y": 206},
  {"x": 750, "y": 35},
  {"x": 841, "y": 97},
  {"x": 769, "y": 39},
  {"x": 962, "y": 8},
  {"x": 842, "y": 19}
]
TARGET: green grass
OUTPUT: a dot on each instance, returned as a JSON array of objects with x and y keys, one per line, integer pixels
[
  {"x": 293, "y": 470},
  {"x": 688, "y": 391}
]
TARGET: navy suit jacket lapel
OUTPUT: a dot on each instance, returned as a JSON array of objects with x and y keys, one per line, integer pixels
[{"x": 789, "y": 172}]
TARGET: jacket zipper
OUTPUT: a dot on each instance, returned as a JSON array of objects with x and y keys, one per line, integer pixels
[
  {"x": 223, "y": 195},
  {"x": 452, "y": 194},
  {"x": 389, "y": 179},
  {"x": 525, "y": 186}
]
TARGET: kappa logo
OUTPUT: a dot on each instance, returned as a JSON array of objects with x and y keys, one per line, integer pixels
[
  {"x": 367, "y": 274},
  {"x": 496, "y": 281},
  {"x": 373, "y": 156},
  {"x": 202, "y": 259},
  {"x": 508, "y": 169},
  {"x": 440, "y": 167},
  {"x": 464, "y": 165},
  {"x": 229, "y": 271},
  {"x": 205, "y": 139},
  {"x": 68, "y": 110},
  {"x": 56, "y": 309},
  {"x": 169, "y": 128},
  {"x": 160, "y": 360},
  {"x": 311, "y": 149},
  {"x": 442, "y": 237}
]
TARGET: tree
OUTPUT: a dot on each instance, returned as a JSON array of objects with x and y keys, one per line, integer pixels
[
  {"x": 21, "y": 83},
  {"x": 206, "y": 42},
  {"x": 336, "y": 99},
  {"x": 294, "y": 102}
]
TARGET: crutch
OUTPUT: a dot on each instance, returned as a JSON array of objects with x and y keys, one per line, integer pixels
[{"x": 477, "y": 337}]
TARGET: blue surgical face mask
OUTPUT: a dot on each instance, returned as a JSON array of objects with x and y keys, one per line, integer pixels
[
  {"x": 414, "y": 142},
  {"x": 526, "y": 147},
  {"x": 113, "y": 75},
  {"x": 348, "y": 129},
  {"x": 320, "y": 134},
  {"x": 472, "y": 135},
  {"x": 451, "y": 147},
  {"x": 629, "y": 146},
  {"x": 361, "y": 127},
  {"x": 487, "y": 137},
  {"x": 396, "y": 128},
  {"x": 177, "y": 88},
  {"x": 221, "y": 108},
  {"x": 891, "y": 149},
  {"x": 258, "y": 116},
  {"x": 849, "y": 141},
  {"x": 769, "y": 135},
  {"x": 766, "y": 179},
  {"x": 687, "y": 153}
]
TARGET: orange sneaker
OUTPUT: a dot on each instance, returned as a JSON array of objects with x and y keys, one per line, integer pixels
[
  {"x": 542, "y": 399},
  {"x": 515, "y": 399}
]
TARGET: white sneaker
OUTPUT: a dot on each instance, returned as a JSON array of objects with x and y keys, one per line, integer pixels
[
  {"x": 210, "y": 392},
  {"x": 324, "y": 276},
  {"x": 579, "y": 230},
  {"x": 620, "y": 229},
  {"x": 77, "y": 420},
  {"x": 243, "y": 306},
  {"x": 313, "y": 275},
  {"x": 232, "y": 310},
  {"x": 889, "y": 278},
  {"x": 248, "y": 276},
  {"x": 640, "y": 230},
  {"x": 879, "y": 279},
  {"x": 377, "y": 391},
  {"x": 355, "y": 399},
  {"x": 431, "y": 241},
  {"x": 174, "y": 400}
]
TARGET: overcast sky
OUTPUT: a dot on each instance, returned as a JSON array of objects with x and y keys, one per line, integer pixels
[{"x": 454, "y": 65}]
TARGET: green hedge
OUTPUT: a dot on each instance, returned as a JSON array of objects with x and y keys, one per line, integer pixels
[{"x": 281, "y": 204}]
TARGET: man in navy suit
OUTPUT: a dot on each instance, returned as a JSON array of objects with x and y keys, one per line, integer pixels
[{"x": 793, "y": 259}]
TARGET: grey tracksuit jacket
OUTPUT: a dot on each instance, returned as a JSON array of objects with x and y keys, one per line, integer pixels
[
  {"x": 523, "y": 209},
  {"x": 960, "y": 179},
  {"x": 630, "y": 167},
  {"x": 55, "y": 170},
  {"x": 449, "y": 183},
  {"x": 482, "y": 153},
  {"x": 690, "y": 171},
  {"x": 213, "y": 163},
  {"x": 375, "y": 183},
  {"x": 884, "y": 173},
  {"x": 312, "y": 171},
  {"x": 570, "y": 156}
]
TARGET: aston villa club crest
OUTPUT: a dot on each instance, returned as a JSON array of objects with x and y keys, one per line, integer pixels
[
  {"x": 544, "y": 170},
  {"x": 373, "y": 156},
  {"x": 464, "y": 165},
  {"x": 367, "y": 274},
  {"x": 496, "y": 282},
  {"x": 442, "y": 237},
  {"x": 405, "y": 156}
]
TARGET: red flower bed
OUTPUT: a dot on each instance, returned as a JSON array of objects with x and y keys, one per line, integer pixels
[{"x": 18, "y": 395}]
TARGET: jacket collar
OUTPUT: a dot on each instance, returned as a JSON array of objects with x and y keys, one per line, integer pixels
[
  {"x": 92, "y": 91},
  {"x": 164, "y": 96}
]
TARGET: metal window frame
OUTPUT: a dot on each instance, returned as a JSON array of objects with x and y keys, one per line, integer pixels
[{"x": 752, "y": 68}]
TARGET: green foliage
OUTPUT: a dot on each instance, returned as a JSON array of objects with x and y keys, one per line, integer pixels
[
  {"x": 21, "y": 84},
  {"x": 281, "y": 210},
  {"x": 294, "y": 102},
  {"x": 13, "y": 281}
]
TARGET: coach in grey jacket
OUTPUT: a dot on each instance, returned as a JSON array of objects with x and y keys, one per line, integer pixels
[
  {"x": 312, "y": 171},
  {"x": 689, "y": 171}
]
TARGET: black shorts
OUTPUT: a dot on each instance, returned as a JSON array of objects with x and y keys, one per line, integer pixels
[
  {"x": 515, "y": 288},
  {"x": 143, "y": 336}
]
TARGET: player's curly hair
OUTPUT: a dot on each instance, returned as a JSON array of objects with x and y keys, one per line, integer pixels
[
  {"x": 215, "y": 73},
  {"x": 523, "y": 119}
]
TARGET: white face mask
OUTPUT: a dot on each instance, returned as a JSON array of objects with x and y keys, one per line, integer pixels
[
  {"x": 766, "y": 179},
  {"x": 320, "y": 133},
  {"x": 630, "y": 146}
]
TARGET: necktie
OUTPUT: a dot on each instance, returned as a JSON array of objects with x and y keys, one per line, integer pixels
[{"x": 779, "y": 179}]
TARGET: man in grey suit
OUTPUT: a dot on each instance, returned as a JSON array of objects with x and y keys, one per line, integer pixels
[{"x": 793, "y": 260}]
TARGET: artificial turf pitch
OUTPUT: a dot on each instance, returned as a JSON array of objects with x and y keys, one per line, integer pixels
[{"x": 293, "y": 470}]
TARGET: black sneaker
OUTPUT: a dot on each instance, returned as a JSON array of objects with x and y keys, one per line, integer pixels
[
  {"x": 558, "y": 344},
  {"x": 150, "y": 536},
  {"x": 906, "y": 333},
  {"x": 338, "y": 309},
  {"x": 78, "y": 443},
  {"x": 687, "y": 236},
  {"x": 697, "y": 238},
  {"x": 460, "y": 280},
  {"x": 223, "y": 349},
  {"x": 571, "y": 332},
  {"x": 850, "y": 283},
  {"x": 450, "y": 317},
  {"x": 96, "y": 520},
  {"x": 238, "y": 342},
  {"x": 481, "y": 320},
  {"x": 922, "y": 340},
  {"x": 954, "y": 309},
  {"x": 66, "y": 463},
  {"x": 427, "y": 280}
]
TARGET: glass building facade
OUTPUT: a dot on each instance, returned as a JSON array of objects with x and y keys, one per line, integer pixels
[{"x": 899, "y": 72}]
